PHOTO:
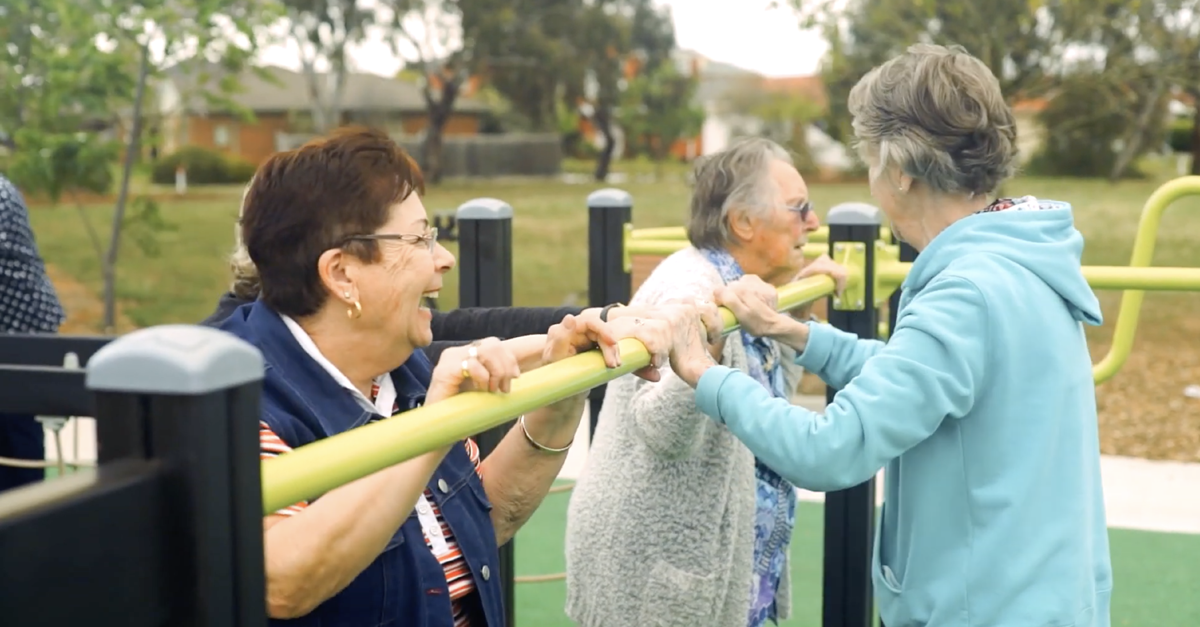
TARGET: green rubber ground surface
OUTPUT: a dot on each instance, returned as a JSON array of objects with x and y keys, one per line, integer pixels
[{"x": 1157, "y": 574}]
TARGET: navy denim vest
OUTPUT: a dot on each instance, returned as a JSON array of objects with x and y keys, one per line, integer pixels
[{"x": 405, "y": 585}]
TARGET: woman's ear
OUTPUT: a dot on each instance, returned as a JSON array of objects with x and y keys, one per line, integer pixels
[
  {"x": 742, "y": 225},
  {"x": 339, "y": 273}
]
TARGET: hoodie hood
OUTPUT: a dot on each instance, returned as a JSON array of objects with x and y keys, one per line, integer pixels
[{"x": 1038, "y": 235}]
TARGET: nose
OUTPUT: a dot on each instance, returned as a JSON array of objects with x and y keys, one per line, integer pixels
[
  {"x": 443, "y": 259},
  {"x": 811, "y": 221}
]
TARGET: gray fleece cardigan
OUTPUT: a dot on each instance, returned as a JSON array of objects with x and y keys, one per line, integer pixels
[{"x": 660, "y": 527}]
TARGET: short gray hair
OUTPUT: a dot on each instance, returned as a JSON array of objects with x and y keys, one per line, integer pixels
[
  {"x": 738, "y": 176},
  {"x": 246, "y": 284},
  {"x": 937, "y": 114}
]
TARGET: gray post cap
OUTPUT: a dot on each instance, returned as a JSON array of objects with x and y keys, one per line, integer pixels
[
  {"x": 610, "y": 198},
  {"x": 174, "y": 359},
  {"x": 854, "y": 213},
  {"x": 484, "y": 209}
]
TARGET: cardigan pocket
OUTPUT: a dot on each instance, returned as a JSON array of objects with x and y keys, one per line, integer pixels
[{"x": 673, "y": 597}]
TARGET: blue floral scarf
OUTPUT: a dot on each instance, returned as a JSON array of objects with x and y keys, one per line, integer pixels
[{"x": 775, "y": 497}]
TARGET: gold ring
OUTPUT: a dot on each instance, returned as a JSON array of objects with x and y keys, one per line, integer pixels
[{"x": 466, "y": 371}]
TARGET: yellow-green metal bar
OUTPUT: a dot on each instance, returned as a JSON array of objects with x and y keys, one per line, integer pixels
[
  {"x": 1138, "y": 278},
  {"x": 658, "y": 247},
  {"x": 680, "y": 233},
  {"x": 1154, "y": 279},
  {"x": 314, "y": 469},
  {"x": 664, "y": 247},
  {"x": 1134, "y": 279},
  {"x": 1143, "y": 254},
  {"x": 662, "y": 232},
  {"x": 891, "y": 274}
]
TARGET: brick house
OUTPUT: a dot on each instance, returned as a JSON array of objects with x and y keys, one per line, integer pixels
[{"x": 280, "y": 108}]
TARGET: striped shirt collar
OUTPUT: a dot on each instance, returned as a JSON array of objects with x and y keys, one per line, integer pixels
[{"x": 385, "y": 399}]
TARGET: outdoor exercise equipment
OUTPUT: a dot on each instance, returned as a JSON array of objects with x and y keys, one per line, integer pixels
[{"x": 167, "y": 528}]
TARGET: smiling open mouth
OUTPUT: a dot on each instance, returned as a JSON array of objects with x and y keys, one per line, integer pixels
[{"x": 431, "y": 295}]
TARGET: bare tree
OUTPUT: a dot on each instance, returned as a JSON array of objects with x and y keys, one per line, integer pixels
[{"x": 323, "y": 30}]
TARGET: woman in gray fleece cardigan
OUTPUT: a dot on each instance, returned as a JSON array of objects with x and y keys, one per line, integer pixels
[{"x": 674, "y": 523}]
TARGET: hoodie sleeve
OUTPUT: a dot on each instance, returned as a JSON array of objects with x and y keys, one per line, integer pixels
[
  {"x": 835, "y": 355},
  {"x": 929, "y": 370}
]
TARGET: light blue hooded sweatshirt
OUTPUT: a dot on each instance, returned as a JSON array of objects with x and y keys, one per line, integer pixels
[{"x": 981, "y": 408}]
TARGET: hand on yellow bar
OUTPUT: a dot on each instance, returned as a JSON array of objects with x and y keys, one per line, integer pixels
[
  {"x": 825, "y": 265},
  {"x": 575, "y": 335},
  {"x": 754, "y": 303},
  {"x": 485, "y": 365}
]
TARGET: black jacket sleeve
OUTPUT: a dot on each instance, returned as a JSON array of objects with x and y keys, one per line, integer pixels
[
  {"x": 225, "y": 308},
  {"x": 456, "y": 327},
  {"x": 473, "y": 323},
  {"x": 435, "y": 349}
]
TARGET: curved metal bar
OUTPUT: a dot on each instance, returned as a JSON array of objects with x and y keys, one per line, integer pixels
[{"x": 1143, "y": 254}]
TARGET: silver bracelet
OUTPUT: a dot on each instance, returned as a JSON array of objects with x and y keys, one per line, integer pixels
[{"x": 540, "y": 446}]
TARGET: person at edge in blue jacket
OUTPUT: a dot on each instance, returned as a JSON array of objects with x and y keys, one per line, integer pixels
[
  {"x": 28, "y": 304},
  {"x": 981, "y": 405},
  {"x": 345, "y": 257}
]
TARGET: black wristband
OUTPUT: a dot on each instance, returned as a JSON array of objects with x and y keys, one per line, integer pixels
[{"x": 604, "y": 312}]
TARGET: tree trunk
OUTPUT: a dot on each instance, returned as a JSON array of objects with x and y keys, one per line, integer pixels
[
  {"x": 109, "y": 267},
  {"x": 1196, "y": 135},
  {"x": 318, "y": 109},
  {"x": 1137, "y": 136},
  {"x": 439, "y": 114},
  {"x": 603, "y": 123},
  {"x": 432, "y": 153}
]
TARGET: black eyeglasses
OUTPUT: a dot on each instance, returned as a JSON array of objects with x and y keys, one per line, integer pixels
[{"x": 430, "y": 239}]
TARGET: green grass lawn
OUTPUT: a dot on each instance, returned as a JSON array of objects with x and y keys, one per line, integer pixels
[{"x": 1156, "y": 578}]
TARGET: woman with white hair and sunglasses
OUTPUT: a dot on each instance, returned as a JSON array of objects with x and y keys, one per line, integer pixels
[{"x": 674, "y": 522}]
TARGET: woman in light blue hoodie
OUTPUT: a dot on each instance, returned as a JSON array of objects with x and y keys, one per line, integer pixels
[{"x": 981, "y": 406}]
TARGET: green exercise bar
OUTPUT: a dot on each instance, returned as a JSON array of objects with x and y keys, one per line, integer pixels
[
  {"x": 680, "y": 233},
  {"x": 314, "y": 469},
  {"x": 664, "y": 247},
  {"x": 1133, "y": 279}
]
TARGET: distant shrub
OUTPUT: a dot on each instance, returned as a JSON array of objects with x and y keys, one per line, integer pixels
[
  {"x": 204, "y": 167},
  {"x": 1084, "y": 124},
  {"x": 1180, "y": 136}
]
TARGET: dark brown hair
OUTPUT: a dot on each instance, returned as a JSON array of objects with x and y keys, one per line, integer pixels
[{"x": 305, "y": 201}]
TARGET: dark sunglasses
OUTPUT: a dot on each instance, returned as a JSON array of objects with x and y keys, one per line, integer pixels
[{"x": 803, "y": 209}]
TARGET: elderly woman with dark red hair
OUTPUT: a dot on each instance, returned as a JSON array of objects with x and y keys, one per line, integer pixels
[{"x": 345, "y": 256}]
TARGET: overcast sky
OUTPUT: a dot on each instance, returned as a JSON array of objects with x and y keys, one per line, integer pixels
[{"x": 742, "y": 32}]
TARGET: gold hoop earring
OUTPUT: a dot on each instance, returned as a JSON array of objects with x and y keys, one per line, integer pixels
[{"x": 356, "y": 313}]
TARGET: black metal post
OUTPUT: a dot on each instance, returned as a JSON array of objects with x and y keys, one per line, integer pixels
[
  {"x": 34, "y": 379},
  {"x": 485, "y": 280},
  {"x": 850, "y": 513},
  {"x": 47, "y": 349},
  {"x": 609, "y": 281},
  {"x": 176, "y": 502}
]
